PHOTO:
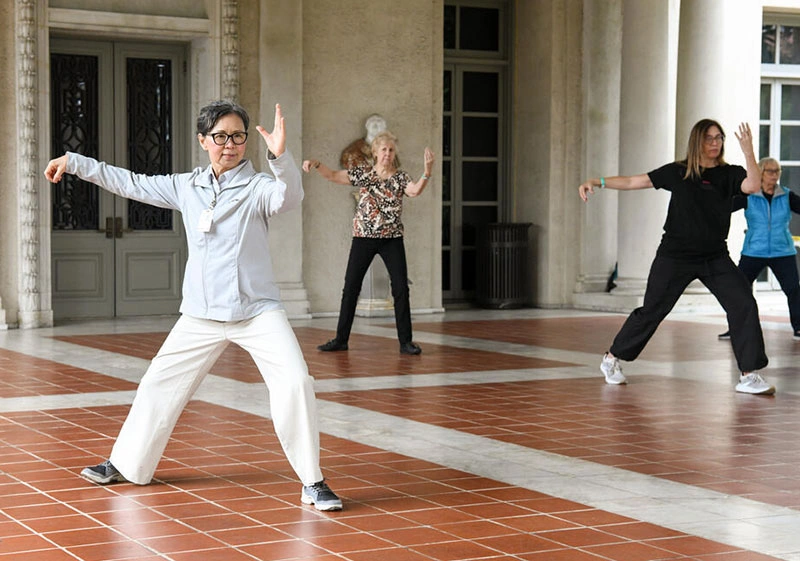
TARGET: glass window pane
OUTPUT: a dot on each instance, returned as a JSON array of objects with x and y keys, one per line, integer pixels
[
  {"x": 479, "y": 181},
  {"x": 768, "y": 44},
  {"x": 790, "y": 144},
  {"x": 479, "y": 136},
  {"x": 445, "y": 270},
  {"x": 480, "y": 29},
  {"x": 790, "y": 177},
  {"x": 480, "y": 91},
  {"x": 446, "y": 181},
  {"x": 468, "y": 269},
  {"x": 450, "y": 27},
  {"x": 447, "y": 211},
  {"x": 448, "y": 91},
  {"x": 766, "y": 90},
  {"x": 446, "y": 132},
  {"x": 473, "y": 217},
  {"x": 763, "y": 141},
  {"x": 790, "y": 102},
  {"x": 149, "y": 95},
  {"x": 75, "y": 204},
  {"x": 790, "y": 45}
]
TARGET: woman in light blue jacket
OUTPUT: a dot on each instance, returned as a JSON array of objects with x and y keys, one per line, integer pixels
[
  {"x": 229, "y": 295},
  {"x": 768, "y": 241}
]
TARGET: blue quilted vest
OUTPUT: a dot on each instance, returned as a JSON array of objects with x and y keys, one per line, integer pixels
[{"x": 768, "y": 232}]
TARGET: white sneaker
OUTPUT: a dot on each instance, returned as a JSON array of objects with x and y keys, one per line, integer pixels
[
  {"x": 755, "y": 384},
  {"x": 612, "y": 371}
]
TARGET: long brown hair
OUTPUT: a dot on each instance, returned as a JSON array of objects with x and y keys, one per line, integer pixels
[{"x": 694, "y": 151}]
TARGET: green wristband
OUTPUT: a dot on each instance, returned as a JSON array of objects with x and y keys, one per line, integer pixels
[{"x": 602, "y": 182}]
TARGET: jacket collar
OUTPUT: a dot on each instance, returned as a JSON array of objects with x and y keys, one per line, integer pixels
[
  {"x": 243, "y": 174},
  {"x": 779, "y": 191}
]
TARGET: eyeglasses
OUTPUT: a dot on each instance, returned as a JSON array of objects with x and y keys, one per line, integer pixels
[
  {"x": 221, "y": 138},
  {"x": 772, "y": 171},
  {"x": 714, "y": 139}
]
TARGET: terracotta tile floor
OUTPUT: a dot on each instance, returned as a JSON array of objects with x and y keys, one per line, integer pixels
[
  {"x": 367, "y": 356},
  {"x": 503, "y": 453}
]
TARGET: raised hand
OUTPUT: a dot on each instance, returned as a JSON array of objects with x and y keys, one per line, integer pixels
[
  {"x": 585, "y": 189},
  {"x": 308, "y": 165},
  {"x": 745, "y": 138},
  {"x": 276, "y": 140},
  {"x": 429, "y": 159},
  {"x": 55, "y": 169}
]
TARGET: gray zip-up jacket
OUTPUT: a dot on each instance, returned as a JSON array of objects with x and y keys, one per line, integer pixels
[{"x": 229, "y": 270}]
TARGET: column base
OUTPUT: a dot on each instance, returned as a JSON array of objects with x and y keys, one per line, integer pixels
[
  {"x": 33, "y": 320},
  {"x": 375, "y": 299},
  {"x": 374, "y": 308},
  {"x": 295, "y": 300},
  {"x": 592, "y": 283},
  {"x": 626, "y": 302}
]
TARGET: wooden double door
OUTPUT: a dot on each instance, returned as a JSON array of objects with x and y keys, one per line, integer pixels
[{"x": 121, "y": 103}]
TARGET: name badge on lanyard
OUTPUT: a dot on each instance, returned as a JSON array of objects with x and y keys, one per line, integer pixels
[
  {"x": 207, "y": 216},
  {"x": 204, "y": 224}
]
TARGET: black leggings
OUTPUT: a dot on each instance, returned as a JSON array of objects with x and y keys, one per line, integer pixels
[
  {"x": 785, "y": 269},
  {"x": 393, "y": 253},
  {"x": 668, "y": 279}
]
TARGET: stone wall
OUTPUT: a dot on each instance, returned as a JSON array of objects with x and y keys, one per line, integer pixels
[{"x": 361, "y": 58}]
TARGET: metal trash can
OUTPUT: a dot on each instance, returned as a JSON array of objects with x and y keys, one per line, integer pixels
[{"x": 502, "y": 265}]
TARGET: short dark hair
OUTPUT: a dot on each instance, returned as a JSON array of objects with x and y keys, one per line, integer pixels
[{"x": 214, "y": 111}]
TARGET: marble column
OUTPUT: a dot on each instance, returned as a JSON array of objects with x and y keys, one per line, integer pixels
[
  {"x": 647, "y": 132},
  {"x": 35, "y": 309},
  {"x": 719, "y": 75},
  {"x": 602, "y": 64},
  {"x": 280, "y": 57}
]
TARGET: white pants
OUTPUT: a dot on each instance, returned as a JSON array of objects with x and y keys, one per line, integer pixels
[{"x": 189, "y": 352}]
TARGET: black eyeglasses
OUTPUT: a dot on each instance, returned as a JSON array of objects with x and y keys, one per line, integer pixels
[
  {"x": 221, "y": 138},
  {"x": 716, "y": 139}
]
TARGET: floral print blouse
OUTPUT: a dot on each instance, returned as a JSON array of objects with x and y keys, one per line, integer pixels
[{"x": 380, "y": 203}]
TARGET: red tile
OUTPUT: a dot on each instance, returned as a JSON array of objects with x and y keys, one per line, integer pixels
[{"x": 277, "y": 551}]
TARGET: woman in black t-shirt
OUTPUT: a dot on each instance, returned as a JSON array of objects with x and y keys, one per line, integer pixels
[{"x": 693, "y": 247}]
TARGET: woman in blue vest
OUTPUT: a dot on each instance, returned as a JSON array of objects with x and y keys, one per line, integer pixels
[{"x": 768, "y": 241}]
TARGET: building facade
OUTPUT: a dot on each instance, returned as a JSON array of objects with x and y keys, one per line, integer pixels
[{"x": 520, "y": 100}]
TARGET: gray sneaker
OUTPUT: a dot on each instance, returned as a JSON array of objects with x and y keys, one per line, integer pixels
[
  {"x": 321, "y": 496},
  {"x": 102, "y": 474},
  {"x": 753, "y": 383},
  {"x": 612, "y": 371}
]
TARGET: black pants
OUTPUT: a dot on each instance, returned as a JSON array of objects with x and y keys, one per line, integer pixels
[
  {"x": 668, "y": 279},
  {"x": 393, "y": 253},
  {"x": 785, "y": 269}
]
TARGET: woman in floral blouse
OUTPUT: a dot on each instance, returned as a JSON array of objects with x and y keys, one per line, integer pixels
[{"x": 377, "y": 230}]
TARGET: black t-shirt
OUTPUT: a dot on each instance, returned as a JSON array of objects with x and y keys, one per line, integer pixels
[{"x": 699, "y": 213}]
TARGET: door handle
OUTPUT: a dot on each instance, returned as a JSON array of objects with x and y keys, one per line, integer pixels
[
  {"x": 109, "y": 229},
  {"x": 114, "y": 227}
]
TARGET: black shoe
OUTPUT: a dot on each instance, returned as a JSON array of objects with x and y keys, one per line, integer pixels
[
  {"x": 797, "y": 334},
  {"x": 102, "y": 474},
  {"x": 333, "y": 345},
  {"x": 410, "y": 349},
  {"x": 727, "y": 335}
]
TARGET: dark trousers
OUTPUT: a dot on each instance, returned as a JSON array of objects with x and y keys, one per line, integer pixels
[
  {"x": 785, "y": 269},
  {"x": 668, "y": 279},
  {"x": 393, "y": 253}
]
